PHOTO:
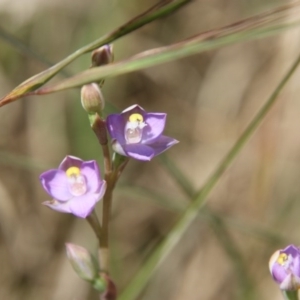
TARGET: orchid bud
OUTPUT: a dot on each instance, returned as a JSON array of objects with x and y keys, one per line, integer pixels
[
  {"x": 82, "y": 262},
  {"x": 102, "y": 56},
  {"x": 92, "y": 99},
  {"x": 285, "y": 268}
]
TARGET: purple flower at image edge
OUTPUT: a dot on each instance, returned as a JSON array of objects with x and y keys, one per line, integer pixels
[
  {"x": 76, "y": 186},
  {"x": 284, "y": 266},
  {"x": 138, "y": 134}
]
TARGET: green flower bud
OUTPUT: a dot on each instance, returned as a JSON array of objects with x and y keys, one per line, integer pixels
[
  {"x": 82, "y": 262},
  {"x": 92, "y": 99}
]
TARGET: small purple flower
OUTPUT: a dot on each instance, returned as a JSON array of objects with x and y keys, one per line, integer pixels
[
  {"x": 76, "y": 186},
  {"x": 138, "y": 134},
  {"x": 285, "y": 268}
]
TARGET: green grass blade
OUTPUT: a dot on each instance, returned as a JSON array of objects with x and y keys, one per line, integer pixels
[
  {"x": 177, "y": 175},
  {"x": 158, "y": 11},
  {"x": 21, "y": 47},
  {"x": 162, "y": 251},
  {"x": 158, "y": 56}
]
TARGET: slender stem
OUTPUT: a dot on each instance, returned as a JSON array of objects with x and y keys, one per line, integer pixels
[
  {"x": 107, "y": 161},
  {"x": 99, "y": 128},
  {"x": 104, "y": 246},
  {"x": 111, "y": 180},
  {"x": 161, "y": 252},
  {"x": 121, "y": 168},
  {"x": 290, "y": 295},
  {"x": 95, "y": 224}
]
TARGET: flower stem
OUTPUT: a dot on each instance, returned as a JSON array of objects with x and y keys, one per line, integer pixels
[
  {"x": 290, "y": 295},
  {"x": 104, "y": 245},
  {"x": 120, "y": 163},
  {"x": 99, "y": 128},
  {"x": 112, "y": 173},
  {"x": 95, "y": 224},
  {"x": 107, "y": 161}
]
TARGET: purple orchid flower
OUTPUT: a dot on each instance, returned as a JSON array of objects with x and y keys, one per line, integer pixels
[
  {"x": 76, "y": 186},
  {"x": 138, "y": 134},
  {"x": 285, "y": 268}
]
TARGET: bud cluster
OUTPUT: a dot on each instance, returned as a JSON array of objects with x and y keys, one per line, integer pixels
[{"x": 92, "y": 99}]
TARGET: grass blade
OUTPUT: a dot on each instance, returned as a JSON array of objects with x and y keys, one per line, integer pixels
[
  {"x": 198, "y": 44},
  {"x": 159, "y": 10},
  {"x": 162, "y": 251}
]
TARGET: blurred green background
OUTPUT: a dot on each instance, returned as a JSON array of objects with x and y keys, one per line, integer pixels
[{"x": 209, "y": 99}]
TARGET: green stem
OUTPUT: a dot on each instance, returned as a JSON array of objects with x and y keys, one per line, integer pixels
[
  {"x": 119, "y": 163},
  {"x": 95, "y": 224},
  {"x": 290, "y": 295},
  {"x": 99, "y": 128},
  {"x": 104, "y": 246},
  {"x": 162, "y": 251}
]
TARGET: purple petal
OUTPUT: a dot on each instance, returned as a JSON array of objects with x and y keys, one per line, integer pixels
[
  {"x": 278, "y": 272},
  {"x": 290, "y": 283},
  {"x": 162, "y": 143},
  {"x": 70, "y": 161},
  {"x": 91, "y": 172},
  {"x": 101, "y": 191},
  {"x": 118, "y": 148},
  {"x": 296, "y": 265},
  {"x": 292, "y": 250},
  {"x": 133, "y": 109},
  {"x": 55, "y": 183},
  {"x": 58, "y": 206},
  {"x": 155, "y": 126},
  {"x": 115, "y": 126},
  {"x": 82, "y": 206},
  {"x": 139, "y": 151}
]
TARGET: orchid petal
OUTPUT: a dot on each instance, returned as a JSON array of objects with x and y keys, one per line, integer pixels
[{"x": 55, "y": 182}]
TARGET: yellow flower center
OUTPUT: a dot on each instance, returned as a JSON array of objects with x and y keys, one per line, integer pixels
[
  {"x": 136, "y": 118},
  {"x": 134, "y": 128},
  {"x": 282, "y": 258},
  {"x": 73, "y": 171},
  {"x": 77, "y": 183}
]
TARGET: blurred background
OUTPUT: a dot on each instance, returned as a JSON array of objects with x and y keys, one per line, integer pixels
[{"x": 209, "y": 99}]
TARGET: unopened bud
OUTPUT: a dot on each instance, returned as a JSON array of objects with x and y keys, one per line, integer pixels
[
  {"x": 92, "y": 99},
  {"x": 82, "y": 262},
  {"x": 102, "y": 56}
]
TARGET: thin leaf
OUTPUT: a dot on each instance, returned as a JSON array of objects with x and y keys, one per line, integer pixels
[
  {"x": 158, "y": 56},
  {"x": 143, "y": 192},
  {"x": 177, "y": 175},
  {"x": 158, "y": 256},
  {"x": 241, "y": 31},
  {"x": 22, "y": 48},
  {"x": 158, "y": 11}
]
